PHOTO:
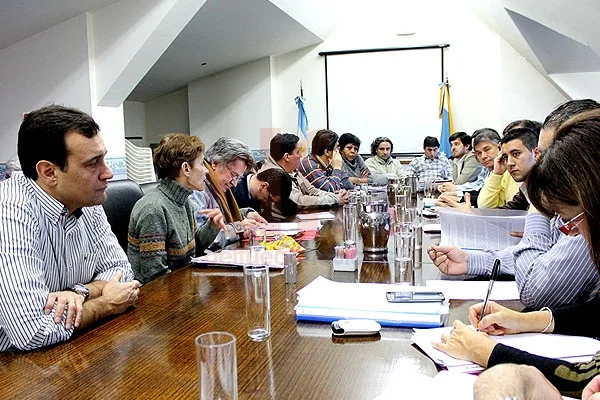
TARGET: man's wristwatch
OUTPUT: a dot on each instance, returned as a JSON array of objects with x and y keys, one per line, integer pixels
[{"x": 81, "y": 290}]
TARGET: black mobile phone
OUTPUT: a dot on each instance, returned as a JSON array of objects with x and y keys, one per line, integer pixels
[{"x": 414, "y": 297}]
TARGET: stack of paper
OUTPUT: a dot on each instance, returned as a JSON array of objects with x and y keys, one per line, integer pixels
[
  {"x": 326, "y": 301},
  {"x": 570, "y": 348}
]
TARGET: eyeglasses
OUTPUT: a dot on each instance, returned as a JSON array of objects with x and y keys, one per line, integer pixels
[
  {"x": 569, "y": 227},
  {"x": 234, "y": 177}
]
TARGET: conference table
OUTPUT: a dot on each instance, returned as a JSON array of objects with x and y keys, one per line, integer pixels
[{"x": 149, "y": 351}]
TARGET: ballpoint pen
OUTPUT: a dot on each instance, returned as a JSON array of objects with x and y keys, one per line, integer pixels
[{"x": 495, "y": 270}]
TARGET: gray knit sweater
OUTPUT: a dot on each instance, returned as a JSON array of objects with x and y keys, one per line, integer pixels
[{"x": 163, "y": 233}]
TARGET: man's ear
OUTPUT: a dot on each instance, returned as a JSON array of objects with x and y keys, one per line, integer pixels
[
  {"x": 46, "y": 171},
  {"x": 536, "y": 153},
  {"x": 264, "y": 186}
]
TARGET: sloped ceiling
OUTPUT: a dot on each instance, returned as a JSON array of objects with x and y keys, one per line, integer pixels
[{"x": 560, "y": 38}]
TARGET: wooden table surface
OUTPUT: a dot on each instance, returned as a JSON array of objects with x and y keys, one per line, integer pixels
[{"x": 149, "y": 351}]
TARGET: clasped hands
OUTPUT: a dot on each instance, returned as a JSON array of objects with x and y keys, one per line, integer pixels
[{"x": 116, "y": 294}]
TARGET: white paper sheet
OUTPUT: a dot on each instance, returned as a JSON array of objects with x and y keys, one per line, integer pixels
[
  {"x": 316, "y": 215},
  {"x": 481, "y": 228},
  {"x": 238, "y": 258},
  {"x": 547, "y": 345},
  {"x": 475, "y": 290}
]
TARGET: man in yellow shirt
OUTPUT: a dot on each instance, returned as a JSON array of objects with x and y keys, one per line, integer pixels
[{"x": 499, "y": 187}]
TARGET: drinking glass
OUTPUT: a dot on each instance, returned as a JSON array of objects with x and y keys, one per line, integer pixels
[
  {"x": 258, "y": 301},
  {"x": 217, "y": 366}
]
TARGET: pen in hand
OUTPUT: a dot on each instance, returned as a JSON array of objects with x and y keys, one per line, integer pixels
[{"x": 495, "y": 270}]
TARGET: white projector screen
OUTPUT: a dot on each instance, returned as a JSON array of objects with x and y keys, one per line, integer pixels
[{"x": 391, "y": 93}]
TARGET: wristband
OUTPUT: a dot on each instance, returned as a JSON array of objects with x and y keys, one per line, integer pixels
[{"x": 551, "y": 319}]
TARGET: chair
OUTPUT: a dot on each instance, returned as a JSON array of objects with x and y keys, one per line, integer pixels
[{"x": 121, "y": 196}]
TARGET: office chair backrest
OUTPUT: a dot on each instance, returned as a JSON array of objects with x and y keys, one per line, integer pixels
[{"x": 121, "y": 196}]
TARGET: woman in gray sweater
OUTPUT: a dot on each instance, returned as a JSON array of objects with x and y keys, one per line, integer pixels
[{"x": 163, "y": 233}]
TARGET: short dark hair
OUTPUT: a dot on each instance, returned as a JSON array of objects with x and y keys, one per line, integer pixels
[
  {"x": 43, "y": 132},
  {"x": 485, "y": 135},
  {"x": 283, "y": 143},
  {"x": 534, "y": 126},
  {"x": 527, "y": 136},
  {"x": 464, "y": 138},
  {"x": 280, "y": 182},
  {"x": 173, "y": 150},
  {"x": 348, "y": 138},
  {"x": 378, "y": 141},
  {"x": 567, "y": 110},
  {"x": 430, "y": 141},
  {"x": 323, "y": 140}
]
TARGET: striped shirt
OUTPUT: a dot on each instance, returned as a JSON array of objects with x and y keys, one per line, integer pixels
[
  {"x": 320, "y": 176},
  {"x": 43, "y": 250},
  {"x": 551, "y": 269},
  {"x": 426, "y": 169}
]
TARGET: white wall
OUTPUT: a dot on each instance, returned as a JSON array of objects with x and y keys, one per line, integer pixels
[
  {"x": 134, "y": 113},
  {"x": 167, "y": 114},
  {"x": 234, "y": 103},
  {"x": 526, "y": 94},
  {"x": 479, "y": 76},
  {"x": 50, "y": 67}
]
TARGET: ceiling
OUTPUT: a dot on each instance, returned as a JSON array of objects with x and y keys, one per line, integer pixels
[
  {"x": 223, "y": 34},
  {"x": 20, "y": 19}
]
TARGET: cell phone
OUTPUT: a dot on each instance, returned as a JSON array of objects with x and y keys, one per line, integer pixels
[{"x": 415, "y": 297}]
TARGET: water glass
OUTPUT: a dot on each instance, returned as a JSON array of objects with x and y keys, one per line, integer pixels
[
  {"x": 428, "y": 187},
  {"x": 258, "y": 301},
  {"x": 350, "y": 224},
  {"x": 217, "y": 366},
  {"x": 404, "y": 247}
]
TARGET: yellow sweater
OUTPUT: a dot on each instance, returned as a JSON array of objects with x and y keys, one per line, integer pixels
[{"x": 497, "y": 190}]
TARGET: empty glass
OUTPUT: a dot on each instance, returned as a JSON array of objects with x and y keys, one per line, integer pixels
[
  {"x": 258, "y": 301},
  {"x": 217, "y": 366}
]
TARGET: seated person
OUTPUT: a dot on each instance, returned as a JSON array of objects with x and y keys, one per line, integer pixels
[
  {"x": 163, "y": 233},
  {"x": 226, "y": 161},
  {"x": 465, "y": 167},
  {"x": 285, "y": 154},
  {"x": 546, "y": 261},
  {"x": 259, "y": 190},
  {"x": 430, "y": 166},
  {"x": 323, "y": 166},
  {"x": 382, "y": 165},
  {"x": 520, "y": 166},
  {"x": 354, "y": 169},
  {"x": 519, "y": 147},
  {"x": 499, "y": 187},
  {"x": 568, "y": 159},
  {"x": 62, "y": 267}
]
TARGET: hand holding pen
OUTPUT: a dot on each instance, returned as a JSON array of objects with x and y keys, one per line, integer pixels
[{"x": 493, "y": 278}]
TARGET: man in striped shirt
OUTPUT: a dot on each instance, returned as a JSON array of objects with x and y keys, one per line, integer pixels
[
  {"x": 551, "y": 269},
  {"x": 61, "y": 267}
]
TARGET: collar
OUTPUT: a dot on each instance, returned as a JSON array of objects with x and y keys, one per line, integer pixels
[
  {"x": 53, "y": 208},
  {"x": 381, "y": 161},
  {"x": 319, "y": 161},
  {"x": 248, "y": 177},
  {"x": 174, "y": 191}
]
